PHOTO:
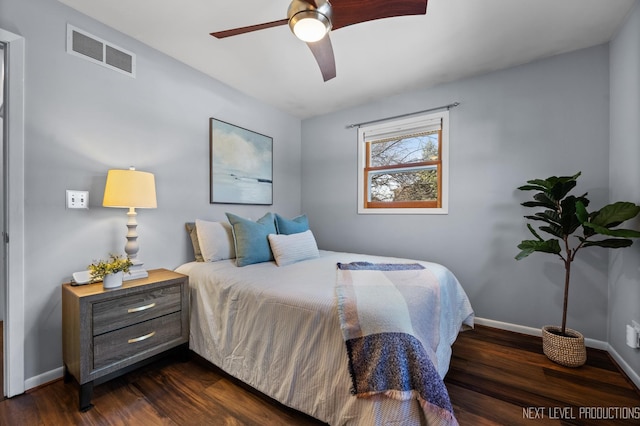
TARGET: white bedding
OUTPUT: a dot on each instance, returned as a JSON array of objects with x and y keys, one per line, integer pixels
[{"x": 277, "y": 329}]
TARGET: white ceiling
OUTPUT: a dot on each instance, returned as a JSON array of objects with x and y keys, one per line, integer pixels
[{"x": 455, "y": 39}]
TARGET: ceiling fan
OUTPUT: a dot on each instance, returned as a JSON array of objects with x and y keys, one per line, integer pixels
[{"x": 311, "y": 21}]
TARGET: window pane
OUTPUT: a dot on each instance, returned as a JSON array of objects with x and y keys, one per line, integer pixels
[
  {"x": 403, "y": 164},
  {"x": 411, "y": 149},
  {"x": 412, "y": 185}
]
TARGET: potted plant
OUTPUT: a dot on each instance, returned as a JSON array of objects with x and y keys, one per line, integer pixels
[
  {"x": 562, "y": 217},
  {"x": 111, "y": 271}
]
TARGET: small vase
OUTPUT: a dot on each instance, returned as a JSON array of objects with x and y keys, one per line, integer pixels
[{"x": 112, "y": 280}]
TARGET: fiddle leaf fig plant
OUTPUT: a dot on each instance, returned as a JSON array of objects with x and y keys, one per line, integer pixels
[{"x": 564, "y": 216}]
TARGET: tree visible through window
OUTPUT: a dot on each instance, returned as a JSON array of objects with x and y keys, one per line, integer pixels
[{"x": 402, "y": 167}]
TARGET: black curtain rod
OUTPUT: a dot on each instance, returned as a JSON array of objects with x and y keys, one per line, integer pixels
[{"x": 453, "y": 105}]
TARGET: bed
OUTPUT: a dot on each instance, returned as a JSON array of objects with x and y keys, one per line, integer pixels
[
  {"x": 277, "y": 329},
  {"x": 276, "y": 323}
]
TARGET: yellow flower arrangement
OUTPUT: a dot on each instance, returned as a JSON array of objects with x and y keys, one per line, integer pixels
[{"x": 99, "y": 269}]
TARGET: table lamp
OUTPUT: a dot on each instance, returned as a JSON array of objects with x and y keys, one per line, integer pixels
[{"x": 131, "y": 189}]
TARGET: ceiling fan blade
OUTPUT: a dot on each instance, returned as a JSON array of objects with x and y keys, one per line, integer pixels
[
  {"x": 349, "y": 12},
  {"x": 323, "y": 52},
  {"x": 250, "y": 28}
]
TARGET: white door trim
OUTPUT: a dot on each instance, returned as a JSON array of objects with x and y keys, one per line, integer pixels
[{"x": 14, "y": 321}]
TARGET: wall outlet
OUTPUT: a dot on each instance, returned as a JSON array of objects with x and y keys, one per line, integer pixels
[
  {"x": 77, "y": 199},
  {"x": 633, "y": 335}
]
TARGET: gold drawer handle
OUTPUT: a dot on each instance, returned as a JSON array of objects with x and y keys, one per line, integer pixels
[
  {"x": 141, "y": 308},
  {"x": 141, "y": 338}
]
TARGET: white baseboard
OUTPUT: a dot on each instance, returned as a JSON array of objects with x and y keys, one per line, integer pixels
[
  {"x": 635, "y": 378},
  {"x": 508, "y": 326},
  {"x": 43, "y": 378},
  {"x": 591, "y": 343}
]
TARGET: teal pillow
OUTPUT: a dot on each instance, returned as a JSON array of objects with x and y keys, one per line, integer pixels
[
  {"x": 251, "y": 238},
  {"x": 292, "y": 226}
]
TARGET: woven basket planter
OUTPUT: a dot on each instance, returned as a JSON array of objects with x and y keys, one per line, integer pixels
[{"x": 568, "y": 351}]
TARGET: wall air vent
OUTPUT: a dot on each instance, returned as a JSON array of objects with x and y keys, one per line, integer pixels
[{"x": 81, "y": 43}]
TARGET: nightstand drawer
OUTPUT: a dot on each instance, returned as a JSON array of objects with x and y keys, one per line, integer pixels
[
  {"x": 116, "y": 346},
  {"x": 125, "y": 311}
]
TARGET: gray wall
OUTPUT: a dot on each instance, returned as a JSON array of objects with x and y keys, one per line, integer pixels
[
  {"x": 624, "y": 265},
  {"x": 83, "y": 119},
  {"x": 545, "y": 118}
]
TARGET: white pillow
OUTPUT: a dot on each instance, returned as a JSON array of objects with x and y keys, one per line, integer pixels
[
  {"x": 216, "y": 240},
  {"x": 293, "y": 248}
]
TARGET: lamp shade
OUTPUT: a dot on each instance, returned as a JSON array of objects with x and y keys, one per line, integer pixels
[{"x": 130, "y": 188}]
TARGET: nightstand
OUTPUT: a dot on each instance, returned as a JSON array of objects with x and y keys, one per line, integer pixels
[{"x": 106, "y": 331}]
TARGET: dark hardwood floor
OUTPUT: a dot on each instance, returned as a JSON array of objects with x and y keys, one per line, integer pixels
[
  {"x": 502, "y": 378},
  {"x": 496, "y": 378}
]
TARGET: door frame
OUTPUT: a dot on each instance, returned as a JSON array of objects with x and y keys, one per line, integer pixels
[{"x": 14, "y": 210}]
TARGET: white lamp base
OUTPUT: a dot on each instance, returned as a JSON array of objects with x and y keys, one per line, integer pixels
[{"x": 136, "y": 271}]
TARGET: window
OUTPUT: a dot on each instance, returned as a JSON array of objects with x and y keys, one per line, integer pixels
[{"x": 403, "y": 166}]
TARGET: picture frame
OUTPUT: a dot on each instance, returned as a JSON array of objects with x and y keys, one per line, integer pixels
[{"x": 240, "y": 165}]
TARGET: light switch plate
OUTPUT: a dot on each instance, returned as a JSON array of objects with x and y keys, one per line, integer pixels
[{"x": 77, "y": 199}]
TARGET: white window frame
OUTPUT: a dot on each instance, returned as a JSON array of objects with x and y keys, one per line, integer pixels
[{"x": 405, "y": 126}]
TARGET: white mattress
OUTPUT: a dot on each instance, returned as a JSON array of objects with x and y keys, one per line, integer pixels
[{"x": 277, "y": 329}]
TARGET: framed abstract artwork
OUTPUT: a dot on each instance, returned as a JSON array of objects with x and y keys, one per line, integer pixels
[{"x": 240, "y": 165}]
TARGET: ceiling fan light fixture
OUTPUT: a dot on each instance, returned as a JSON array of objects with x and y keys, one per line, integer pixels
[
  {"x": 310, "y": 26},
  {"x": 309, "y": 21}
]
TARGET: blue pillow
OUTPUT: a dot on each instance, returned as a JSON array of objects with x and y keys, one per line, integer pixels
[
  {"x": 292, "y": 226},
  {"x": 251, "y": 238}
]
